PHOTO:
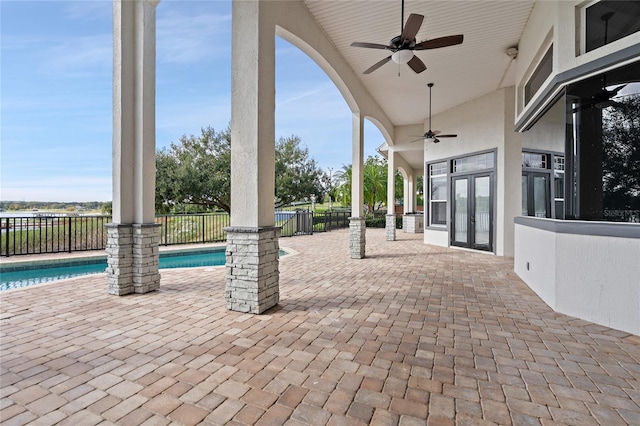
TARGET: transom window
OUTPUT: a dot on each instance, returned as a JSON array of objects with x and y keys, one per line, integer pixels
[
  {"x": 533, "y": 160},
  {"x": 475, "y": 162},
  {"x": 609, "y": 20},
  {"x": 539, "y": 75}
]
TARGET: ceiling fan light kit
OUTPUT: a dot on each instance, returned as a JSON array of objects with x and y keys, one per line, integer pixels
[{"x": 402, "y": 56}]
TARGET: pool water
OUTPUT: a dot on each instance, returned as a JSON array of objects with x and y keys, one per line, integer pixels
[{"x": 22, "y": 276}]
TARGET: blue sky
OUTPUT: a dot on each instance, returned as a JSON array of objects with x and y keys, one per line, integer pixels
[{"x": 56, "y": 94}]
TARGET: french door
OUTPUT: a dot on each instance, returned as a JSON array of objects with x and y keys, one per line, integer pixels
[{"x": 472, "y": 211}]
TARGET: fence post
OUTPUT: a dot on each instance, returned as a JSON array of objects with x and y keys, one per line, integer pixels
[
  {"x": 6, "y": 235},
  {"x": 166, "y": 232},
  {"x": 69, "y": 234}
]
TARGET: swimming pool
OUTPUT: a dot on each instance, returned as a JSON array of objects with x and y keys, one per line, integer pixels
[{"x": 31, "y": 273}]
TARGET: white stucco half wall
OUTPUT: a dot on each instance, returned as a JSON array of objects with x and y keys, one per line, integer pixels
[{"x": 589, "y": 270}]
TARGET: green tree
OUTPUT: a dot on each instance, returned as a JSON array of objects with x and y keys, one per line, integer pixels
[
  {"x": 297, "y": 174},
  {"x": 342, "y": 185},
  {"x": 375, "y": 183},
  {"x": 196, "y": 172}
]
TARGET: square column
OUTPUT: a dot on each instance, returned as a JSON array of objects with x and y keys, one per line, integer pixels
[
  {"x": 132, "y": 252},
  {"x": 252, "y": 240},
  {"x": 357, "y": 225},
  {"x": 357, "y": 240},
  {"x": 252, "y": 269},
  {"x": 390, "y": 223},
  {"x": 390, "y": 227}
]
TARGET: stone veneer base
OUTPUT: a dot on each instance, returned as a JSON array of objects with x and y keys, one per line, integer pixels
[
  {"x": 132, "y": 258},
  {"x": 357, "y": 232},
  {"x": 252, "y": 269},
  {"x": 390, "y": 227}
]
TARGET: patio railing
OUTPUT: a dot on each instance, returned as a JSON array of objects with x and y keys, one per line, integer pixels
[{"x": 48, "y": 233}]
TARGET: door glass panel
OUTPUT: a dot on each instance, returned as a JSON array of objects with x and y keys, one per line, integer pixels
[
  {"x": 482, "y": 210},
  {"x": 525, "y": 196},
  {"x": 540, "y": 196},
  {"x": 461, "y": 210}
]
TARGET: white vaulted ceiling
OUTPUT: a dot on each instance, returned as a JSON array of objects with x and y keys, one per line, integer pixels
[{"x": 460, "y": 73}]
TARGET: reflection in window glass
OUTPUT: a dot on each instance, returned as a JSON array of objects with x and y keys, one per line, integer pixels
[
  {"x": 438, "y": 169},
  {"x": 461, "y": 210},
  {"x": 602, "y": 179},
  {"x": 525, "y": 196},
  {"x": 438, "y": 194},
  {"x": 608, "y": 21},
  {"x": 542, "y": 71},
  {"x": 475, "y": 162},
  {"x": 439, "y": 213},
  {"x": 540, "y": 196},
  {"x": 534, "y": 161}
]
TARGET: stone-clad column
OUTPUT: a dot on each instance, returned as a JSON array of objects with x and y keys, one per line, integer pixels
[
  {"x": 357, "y": 226},
  {"x": 132, "y": 252},
  {"x": 252, "y": 269},
  {"x": 252, "y": 239}
]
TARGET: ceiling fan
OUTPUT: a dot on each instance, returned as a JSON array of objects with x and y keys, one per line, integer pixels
[
  {"x": 403, "y": 45},
  {"x": 433, "y": 134}
]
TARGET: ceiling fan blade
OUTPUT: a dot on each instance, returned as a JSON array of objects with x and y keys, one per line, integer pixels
[
  {"x": 615, "y": 91},
  {"x": 412, "y": 27},
  {"x": 439, "y": 42},
  {"x": 377, "y": 65},
  {"x": 368, "y": 45},
  {"x": 447, "y": 136},
  {"x": 416, "y": 64}
]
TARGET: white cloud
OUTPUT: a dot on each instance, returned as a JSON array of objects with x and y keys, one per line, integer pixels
[
  {"x": 189, "y": 39},
  {"x": 77, "y": 55}
]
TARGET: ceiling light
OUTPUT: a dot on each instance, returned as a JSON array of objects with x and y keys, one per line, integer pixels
[{"x": 402, "y": 56}]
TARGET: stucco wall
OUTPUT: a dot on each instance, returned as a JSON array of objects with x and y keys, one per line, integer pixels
[
  {"x": 559, "y": 22},
  {"x": 592, "y": 277},
  {"x": 483, "y": 124},
  {"x": 436, "y": 237}
]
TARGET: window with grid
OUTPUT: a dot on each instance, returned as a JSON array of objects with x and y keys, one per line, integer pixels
[{"x": 438, "y": 194}]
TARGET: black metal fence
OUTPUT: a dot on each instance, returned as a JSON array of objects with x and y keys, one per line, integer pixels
[
  {"x": 22, "y": 235},
  {"x": 192, "y": 228},
  {"x": 52, "y": 234}
]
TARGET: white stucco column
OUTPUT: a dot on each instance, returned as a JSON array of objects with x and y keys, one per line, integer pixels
[
  {"x": 405, "y": 196},
  {"x": 252, "y": 239},
  {"x": 410, "y": 200},
  {"x": 132, "y": 247},
  {"x": 357, "y": 226},
  {"x": 390, "y": 224}
]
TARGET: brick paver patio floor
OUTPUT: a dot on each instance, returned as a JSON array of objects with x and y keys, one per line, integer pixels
[{"x": 413, "y": 334}]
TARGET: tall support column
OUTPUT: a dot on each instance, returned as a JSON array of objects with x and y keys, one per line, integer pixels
[
  {"x": 132, "y": 247},
  {"x": 390, "y": 224},
  {"x": 413, "y": 192},
  {"x": 357, "y": 226},
  {"x": 252, "y": 239},
  {"x": 405, "y": 196},
  {"x": 411, "y": 195}
]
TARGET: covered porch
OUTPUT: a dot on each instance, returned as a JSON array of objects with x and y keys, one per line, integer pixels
[{"x": 411, "y": 334}]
